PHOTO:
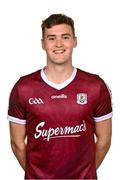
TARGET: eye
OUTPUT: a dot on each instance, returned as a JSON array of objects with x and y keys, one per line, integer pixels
[
  {"x": 51, "y": 38},
  {"x": 66, "y": 37}
]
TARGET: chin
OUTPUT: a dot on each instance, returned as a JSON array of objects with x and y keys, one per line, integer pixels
[{"x": 59, "y": 62}]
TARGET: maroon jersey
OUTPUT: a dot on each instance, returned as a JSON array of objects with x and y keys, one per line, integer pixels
[{"x": 59, "y": 121}]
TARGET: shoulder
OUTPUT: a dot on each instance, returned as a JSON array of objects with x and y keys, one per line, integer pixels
[
  {"x": 27, "y": 81},
  {"x": 91, "y": 80},
  {"x": 34, "y": 76},
  {"x": 88, "y": 76}
]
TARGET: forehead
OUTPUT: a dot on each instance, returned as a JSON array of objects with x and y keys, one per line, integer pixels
[{"x": 59, "y": 30}]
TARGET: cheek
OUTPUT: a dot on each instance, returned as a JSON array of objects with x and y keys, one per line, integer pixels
[
  {"x": 48, "y": 50},
  {"x": 70, "y": 45},
  {"x": 49, "y": 46}
]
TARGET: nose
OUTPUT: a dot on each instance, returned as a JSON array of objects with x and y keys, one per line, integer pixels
[{"x": 59, "y": 43}]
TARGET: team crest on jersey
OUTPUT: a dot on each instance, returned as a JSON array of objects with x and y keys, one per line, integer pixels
[{"x": 82, "y": 98}]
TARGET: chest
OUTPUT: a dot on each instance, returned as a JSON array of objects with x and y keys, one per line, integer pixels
[
  {"x": 66, "y": 111},
  {"x": 68, "y": 103}
]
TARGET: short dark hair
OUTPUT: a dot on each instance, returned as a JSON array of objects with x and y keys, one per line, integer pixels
[{"x": 56, "y": 19}]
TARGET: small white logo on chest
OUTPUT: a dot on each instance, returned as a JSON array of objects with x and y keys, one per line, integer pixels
[
  {"x": 35, "y": 101},
  {"x": 61, "y": 96}
]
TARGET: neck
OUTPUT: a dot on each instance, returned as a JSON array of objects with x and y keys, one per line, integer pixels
[{"x": 58, "y": 73}]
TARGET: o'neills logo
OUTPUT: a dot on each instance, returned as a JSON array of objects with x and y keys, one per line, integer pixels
[
  {"x": 61, "y": 96},
  {"x": 59, "y": 132}
]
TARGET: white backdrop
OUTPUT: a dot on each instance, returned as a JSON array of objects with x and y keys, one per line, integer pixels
[{"x": 98, "y": 30}]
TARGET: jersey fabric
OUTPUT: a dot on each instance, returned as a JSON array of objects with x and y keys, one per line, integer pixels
[{"x": 59, "y": 120}]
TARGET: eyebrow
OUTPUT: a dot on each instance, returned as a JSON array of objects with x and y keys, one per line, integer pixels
[
  {"x": 53, "y": 35},
  {"x": 66, "y": 34},
  {"x": 50, "y": 36}
]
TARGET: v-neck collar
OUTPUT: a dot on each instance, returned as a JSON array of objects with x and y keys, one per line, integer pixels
[{"x": 61, "y": 85}]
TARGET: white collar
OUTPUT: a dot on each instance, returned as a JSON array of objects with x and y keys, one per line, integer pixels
[{"x": 61, "y": 85}]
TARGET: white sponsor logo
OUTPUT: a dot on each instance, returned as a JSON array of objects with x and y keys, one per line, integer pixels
[
  {"x": 59, "y": 132},
  {"x": 82, "y": 98},
  {"x": 61, "y": 96},
  {"x": 36, "y": 101}
]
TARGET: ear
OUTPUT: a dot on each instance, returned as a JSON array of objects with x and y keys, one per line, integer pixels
[
  {"x": 42, "y": 43},
  {"x": 75, "y": 42}
]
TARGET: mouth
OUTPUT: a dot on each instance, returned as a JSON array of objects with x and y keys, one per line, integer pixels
[{"x": 60, "y": 51}]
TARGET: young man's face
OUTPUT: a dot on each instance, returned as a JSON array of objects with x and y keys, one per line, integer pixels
[{"x": 58, "y": 42}]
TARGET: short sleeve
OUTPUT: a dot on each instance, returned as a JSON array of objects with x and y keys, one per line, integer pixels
[
  {"x": 103, "y": 109},
  {"x": 16, "y": 109}
]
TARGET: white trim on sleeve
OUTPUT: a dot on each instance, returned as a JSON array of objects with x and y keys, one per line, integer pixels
[
  {"x": 102, "y": 118},
  {"x": 16, "y": 120}
]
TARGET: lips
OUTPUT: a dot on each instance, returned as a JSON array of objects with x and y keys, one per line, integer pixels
[{"x": 60, "y": 51}]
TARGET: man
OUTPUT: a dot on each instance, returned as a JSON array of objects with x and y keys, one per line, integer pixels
[{"x": 60, "y": 116}]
